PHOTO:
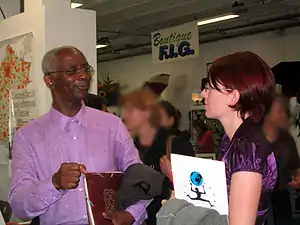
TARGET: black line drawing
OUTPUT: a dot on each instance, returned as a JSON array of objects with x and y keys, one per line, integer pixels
[{"x": 199, "y": 195}]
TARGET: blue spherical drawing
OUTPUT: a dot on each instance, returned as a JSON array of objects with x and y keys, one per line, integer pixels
[{"x": 196, "y": 178}]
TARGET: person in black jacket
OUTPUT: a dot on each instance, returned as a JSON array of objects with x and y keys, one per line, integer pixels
[
  {"x": 142, "y": 117},
  {"x": 276, "y": 127}
]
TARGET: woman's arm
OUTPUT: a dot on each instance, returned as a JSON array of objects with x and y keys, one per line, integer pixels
[{"x": 245, "y": 191}]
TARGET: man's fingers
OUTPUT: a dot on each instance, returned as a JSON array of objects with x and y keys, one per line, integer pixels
[
  {"x": 75, "y": 167},
  {"x": 83, "y": 169},
  {"x": 75, "y": 174},
  {"x": 70, "y": 166},
  {"x": 71, "y": 185},
  {"x": 107, "y": 216}
]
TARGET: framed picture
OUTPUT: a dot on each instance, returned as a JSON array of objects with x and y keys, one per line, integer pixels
[
  {"x": 213, "y": 125},
  {"x": 206, "y": 156}
]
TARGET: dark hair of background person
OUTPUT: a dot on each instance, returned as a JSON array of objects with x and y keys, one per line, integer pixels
[
  {"x": 247, "y": 73},
  {"x": 94, "y": 101},
  {"x": 171, "y": 112},
  {"x": 179, "y": 115}
]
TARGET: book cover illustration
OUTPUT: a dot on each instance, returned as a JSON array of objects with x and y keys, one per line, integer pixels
[
  {"x": 201, "y": 182},
  {"x": 100, "y": 192}
]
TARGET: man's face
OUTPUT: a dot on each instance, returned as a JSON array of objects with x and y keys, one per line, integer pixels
[{"x": 71, "y": 76}]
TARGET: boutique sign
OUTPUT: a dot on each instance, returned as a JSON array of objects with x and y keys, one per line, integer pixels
[{"x": 175, "y": 43}]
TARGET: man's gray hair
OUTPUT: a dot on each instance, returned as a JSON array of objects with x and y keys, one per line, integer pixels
[{"x": 49, "y": 62}]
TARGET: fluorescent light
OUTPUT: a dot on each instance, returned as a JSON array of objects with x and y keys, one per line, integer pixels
[
  {"x": 75, "y": 5},
  {"x": 217, "y": 19},
  {"x": 101, "y": 46}
]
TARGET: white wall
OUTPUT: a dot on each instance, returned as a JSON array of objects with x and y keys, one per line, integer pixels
[
  {"x": 12, "y": 27},
  {"x": 187, "y": 75}
]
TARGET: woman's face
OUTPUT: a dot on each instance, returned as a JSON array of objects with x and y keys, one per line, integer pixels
[
  {"x": 133, "y": 118},
  {"x": 166, "y": 121},
  {"x": 278, "y": 115},
  {"x": 217, "y": 103}
]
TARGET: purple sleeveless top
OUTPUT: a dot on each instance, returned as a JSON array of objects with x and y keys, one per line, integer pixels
[{"x": 250, "y": 151}]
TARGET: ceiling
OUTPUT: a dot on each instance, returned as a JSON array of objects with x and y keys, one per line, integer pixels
[{"x": 128, "y": 23}]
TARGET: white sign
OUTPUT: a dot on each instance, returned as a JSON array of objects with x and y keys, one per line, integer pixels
[
  {"x": 23, "y": 106},
  {"x": 175, "y": 43},
  {"x": 201, "y": 182}
]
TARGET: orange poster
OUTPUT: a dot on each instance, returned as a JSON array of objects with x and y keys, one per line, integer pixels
[{"x": 15, "y": 67}]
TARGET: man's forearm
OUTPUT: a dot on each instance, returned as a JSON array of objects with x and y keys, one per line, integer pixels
[
  {"x": 138, "y": 211},
  {"x": 32, "y": 200}
]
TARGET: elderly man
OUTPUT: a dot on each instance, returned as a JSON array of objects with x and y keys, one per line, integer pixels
[{"x": 51, "y": 152}]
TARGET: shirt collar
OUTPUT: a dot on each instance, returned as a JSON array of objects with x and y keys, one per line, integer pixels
[
  {"x": 246, "y": 128},
  {"x": 63, "y": 120}
]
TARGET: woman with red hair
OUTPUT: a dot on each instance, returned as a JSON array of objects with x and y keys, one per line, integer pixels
[{"x": 239, "y": 93}]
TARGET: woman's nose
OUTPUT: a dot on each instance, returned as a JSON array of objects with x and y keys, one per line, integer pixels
[{"x": 203, "y": 93}]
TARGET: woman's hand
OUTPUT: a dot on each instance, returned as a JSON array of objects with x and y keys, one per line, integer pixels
[
  {"x": 172, "y": 196},
  {"x": 295, "y": 183},
  {"x": 165, "y": 166}
]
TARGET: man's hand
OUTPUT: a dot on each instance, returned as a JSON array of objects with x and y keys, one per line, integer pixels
[
  {"x": 68, "y": 176},
  {"x": 119, "y": 218},
  {"x": 165, "y": 166}
]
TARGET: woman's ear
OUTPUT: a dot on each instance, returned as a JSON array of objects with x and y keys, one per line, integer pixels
[
  {"x": 171, "y": 120},
  {"x": 235, "y": 96}
]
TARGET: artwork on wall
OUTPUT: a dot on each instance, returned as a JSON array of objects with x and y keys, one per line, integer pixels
[
  {"x": 16, "y": 62},
  {"x": 212, "y": 124},
  {"x": 196, "y": 98},
  {"x": 109, "y": 89}
]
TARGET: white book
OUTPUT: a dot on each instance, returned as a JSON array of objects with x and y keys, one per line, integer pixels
[
  {"x": 201, "y": 182},
  {"x": 2, "y": 222}
]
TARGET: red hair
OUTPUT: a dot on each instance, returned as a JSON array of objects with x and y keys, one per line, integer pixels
[{"x": 247, "y": 73}]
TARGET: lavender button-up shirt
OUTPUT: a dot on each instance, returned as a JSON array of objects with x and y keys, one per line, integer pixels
[{"x": 96, "y": 139}]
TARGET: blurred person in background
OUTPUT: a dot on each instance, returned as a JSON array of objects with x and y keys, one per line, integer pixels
[
  {"x": 141, "y": 114},
  {"x": 204, "y": 137},
  {"x": 170, "y": 119},
  {"x": 276, "y": 127}
]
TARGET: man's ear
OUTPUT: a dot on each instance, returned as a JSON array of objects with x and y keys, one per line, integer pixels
[{"x": 49, "y": 81}]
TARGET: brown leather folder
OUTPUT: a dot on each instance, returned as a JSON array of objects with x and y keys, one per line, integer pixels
[{"x": 100, "y": 191}]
